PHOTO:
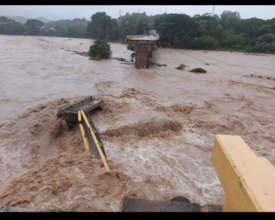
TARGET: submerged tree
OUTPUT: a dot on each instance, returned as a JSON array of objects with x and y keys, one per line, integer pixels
[{"x": 100, "y": 50}]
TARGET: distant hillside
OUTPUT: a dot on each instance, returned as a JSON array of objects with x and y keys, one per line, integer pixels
[{"x": 23, "y": 20}]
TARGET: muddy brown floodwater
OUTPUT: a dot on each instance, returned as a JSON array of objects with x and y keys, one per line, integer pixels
[{"x": 158, "y": 125}]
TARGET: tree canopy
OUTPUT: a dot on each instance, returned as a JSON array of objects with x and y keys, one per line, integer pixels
[
  {"x": 225, "y": 32},
  {"x": 33, "y": 26}
]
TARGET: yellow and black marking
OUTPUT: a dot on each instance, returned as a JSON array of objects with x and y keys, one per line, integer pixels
[{"x": 91, "y": 138}]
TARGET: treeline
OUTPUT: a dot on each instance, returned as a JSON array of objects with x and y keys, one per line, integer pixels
[
  {"x": 63, "y": 28},
  {"x": 225, "y": 32}
]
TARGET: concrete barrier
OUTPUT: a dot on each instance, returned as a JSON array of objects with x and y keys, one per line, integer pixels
[{"x": 248, "y": 180}]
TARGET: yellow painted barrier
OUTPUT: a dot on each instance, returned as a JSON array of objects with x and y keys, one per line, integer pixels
[
  {"x": 85, "y": 141},
  {"x": 248, "y": 180},
  {"x": 97, "y": 143},
  {"x": 86, "y": 120},
  {"x": 86, "y": 145},
  {"x": 89, "y": 126}
]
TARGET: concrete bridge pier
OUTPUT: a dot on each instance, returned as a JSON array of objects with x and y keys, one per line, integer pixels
[{"x": 143, "y": 46}]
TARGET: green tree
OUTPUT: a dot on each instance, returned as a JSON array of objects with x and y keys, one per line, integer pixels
[
  {"x": 269, "y": 38},
  {"x": 176, "y": 30},
  {"x": 74, "y": 30},
  {"x": 205, "y": 31},
  {"x": 103, "y": 27},
  {"x": 67, "y": 28},
  {"x": 273, "y": 24},
  {"x": 100, "y": 50},
  {"x": 234, "y": 41},
  {"x": 9, "y": 26},
  {"x": 265, "y": 28},
  {"x": 258, "y": 47},
  {"x": 250, "y": 27},
  {"x": 217, "y": 32},
  {"x": 207, "y": 24},
  {"x": 206, "y": 42},
  {"x": 33, "y": 26},
  {"x": 113, "y": 30},
  {"x": 133, "y": 24},
  {"x": 230, "y": 20}
]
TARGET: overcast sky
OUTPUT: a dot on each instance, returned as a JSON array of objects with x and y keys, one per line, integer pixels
[{"x": 68, "y": 12}]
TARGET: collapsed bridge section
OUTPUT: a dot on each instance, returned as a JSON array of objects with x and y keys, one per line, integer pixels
[{"x": 143, "y": 46}]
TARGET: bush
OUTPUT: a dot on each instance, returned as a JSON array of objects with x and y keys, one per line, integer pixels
[
  {"x": 206, "y": 42},
  {"x": 272, "y": 45},
  {"x": 198, "y": 70},
  {"x": 235, "y": 41},
  {"x": 269, "y": 38},
  {"x": 100, "y": 50},
  {"x": 181, "y": 67},
  {"x": 249, "y": 48},
  {"x": 258, "y": 47}
]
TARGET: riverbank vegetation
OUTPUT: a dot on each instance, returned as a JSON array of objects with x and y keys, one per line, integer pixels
[
  {"x": 210, "y": 32},
  {"x": 100, "y": 50}
]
